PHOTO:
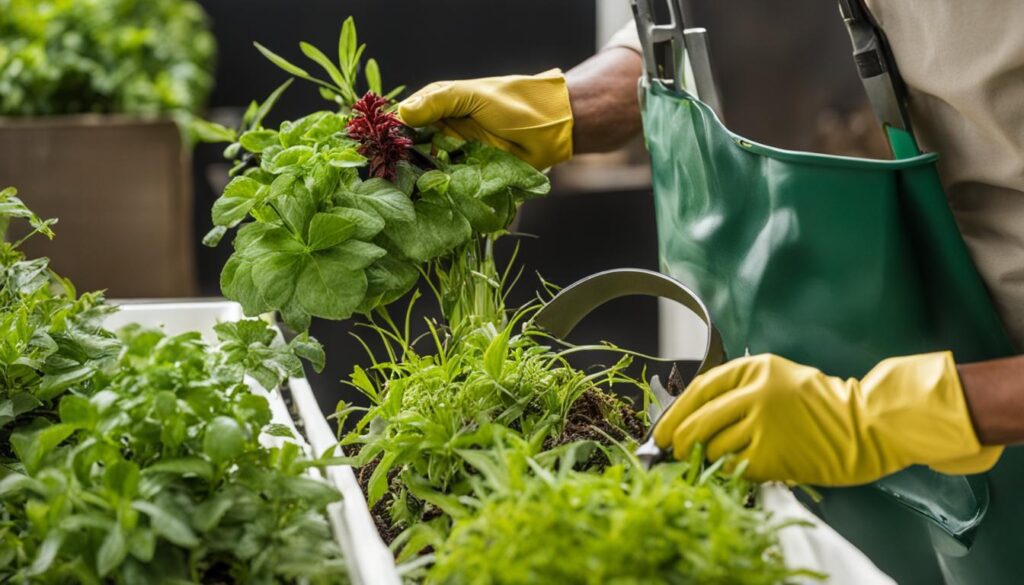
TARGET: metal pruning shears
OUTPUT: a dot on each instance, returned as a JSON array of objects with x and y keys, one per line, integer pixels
[{"x": 561, "y": 315}]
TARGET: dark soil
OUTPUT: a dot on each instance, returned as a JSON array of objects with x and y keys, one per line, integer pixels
[
  {"x": 591, "y": 419},
  {"x": 380, "y": 510}
]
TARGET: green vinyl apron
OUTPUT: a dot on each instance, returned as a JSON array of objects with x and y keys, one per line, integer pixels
[{"x": 839, "y": 263}]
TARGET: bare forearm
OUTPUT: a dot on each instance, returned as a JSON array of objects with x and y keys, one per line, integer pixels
[
  {"x": 603, "y": 94},
  {"x": 995, "y": 396}
]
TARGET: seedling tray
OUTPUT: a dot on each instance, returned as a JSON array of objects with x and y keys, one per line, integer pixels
[{"x": 368, "y": 559}]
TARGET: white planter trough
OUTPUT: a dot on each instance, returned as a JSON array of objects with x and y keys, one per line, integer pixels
[
  {"x": 812, "y": 546},
  {"x": 368, "y": 559}
]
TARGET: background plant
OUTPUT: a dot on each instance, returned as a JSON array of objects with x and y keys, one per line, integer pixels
[{"x": 143, "y": 57}]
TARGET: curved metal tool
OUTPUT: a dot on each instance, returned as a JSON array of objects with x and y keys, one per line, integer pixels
[{"x": 570, "y": 306}]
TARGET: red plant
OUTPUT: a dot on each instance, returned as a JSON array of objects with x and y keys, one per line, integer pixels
[{"x": 379, "y": 134}]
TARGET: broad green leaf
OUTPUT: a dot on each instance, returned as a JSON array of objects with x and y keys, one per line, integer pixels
[
  {"x": 434, "y": 181},
  {"x": 293, "y": 133},
  {"x": 78, "y": 411},
  {"x": 275, "y": 275},
  {"x": 55, "y": 383},
  {"x": 389, "y": 278},
  {"x": 167, "y": 524},
  {"x": 259, "y": 140},
  {"x": 209, "y": 513},
  {"x": 380, "y": 197},
  {"x": 354, "y": 255},
  {"x": 224, "y": 439},
  {"x": 327, "y": 230},
  {"x": 344, "y": 158},
  {"x": 310, "y": 350},
  {"x": 122, "y": 478},
  {"x": 367, "y": 225},
  {"x": 289, "y": 160},
  {"x": 32, "y": 446},
  {"x": 438, "y": 229},
  {"x": 328, "y": 290},
  {"x": 295, "y": 204},
  {"x": 239, "y": 197}
]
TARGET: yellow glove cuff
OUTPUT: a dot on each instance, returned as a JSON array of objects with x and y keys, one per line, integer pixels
[{"x": 923, "y": 413}]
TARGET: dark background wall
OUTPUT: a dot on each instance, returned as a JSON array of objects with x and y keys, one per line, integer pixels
[{"x": 780, "y": 63}]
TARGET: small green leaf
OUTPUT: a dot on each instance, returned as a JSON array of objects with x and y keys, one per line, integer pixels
[
  {"x": 345, "y": 158},
  {"x": 112, "y": 552},
  {"x": 259, "y": 140},
  {"x": 78, "y": 411},
  {"x": 288, "y": 160},
  {"x": 47, "y": 552},
  {"x": 279, "y": 430},
  {"x": 434, "y": 181},
  {"x": 282, "y": 62},
  {"x": 183, "y": 466},
  {"x": 318, "y": 57},
  {"x": 214, "y": 236},
  {"x": 372, "y": 74},
  {"x": 210, "y": 132}
]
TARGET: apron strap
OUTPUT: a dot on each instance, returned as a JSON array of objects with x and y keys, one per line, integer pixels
[{"x": 882, "y": 82}]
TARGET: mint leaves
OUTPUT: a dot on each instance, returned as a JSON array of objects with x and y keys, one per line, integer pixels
[{"x": 317, "y": 237}]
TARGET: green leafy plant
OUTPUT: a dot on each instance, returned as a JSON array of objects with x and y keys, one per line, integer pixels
[
  {"x": 338, "y": 211},
  {"x": 534, "y": 521},
  {"x": 479, "y": 435},
  {"x": 52, "y": 340},
  {"x": 143, "y": 57},
  {"x": 143, "y": 458},
  {"x": 475, "y": 382}
]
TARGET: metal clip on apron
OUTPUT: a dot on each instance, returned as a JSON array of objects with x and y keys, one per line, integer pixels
[{"x": 838, "y": 263}]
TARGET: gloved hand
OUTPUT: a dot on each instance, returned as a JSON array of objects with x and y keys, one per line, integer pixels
[
  {"x": 793, "y": 423},
  {"x": 529, "y": 116}
]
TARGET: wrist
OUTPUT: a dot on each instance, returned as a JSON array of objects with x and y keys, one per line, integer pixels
[{"x": 994, "y": 391}]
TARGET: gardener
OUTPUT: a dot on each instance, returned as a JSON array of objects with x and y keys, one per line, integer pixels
[{"x": 792, "y": 422}]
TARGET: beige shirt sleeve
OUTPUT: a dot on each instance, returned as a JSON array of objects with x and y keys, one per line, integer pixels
[
  {"x": 963, "y": 63},
  {"x": 626, "y": 37}
]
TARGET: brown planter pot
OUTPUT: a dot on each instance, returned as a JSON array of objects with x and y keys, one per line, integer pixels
[{"x": 122, "y": 189}]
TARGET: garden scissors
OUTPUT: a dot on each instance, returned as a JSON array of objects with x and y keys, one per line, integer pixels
[{"x": 573, "y": 303}]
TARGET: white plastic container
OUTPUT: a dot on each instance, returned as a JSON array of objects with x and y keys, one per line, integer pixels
[
  {"x": 368, "y": 559},
  {"x": 813, "y": 545}
]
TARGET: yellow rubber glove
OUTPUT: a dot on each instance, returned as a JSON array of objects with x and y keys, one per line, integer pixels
[
  {"x": 793, "y": 423},
  {"x": 529, "y": 116}
]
